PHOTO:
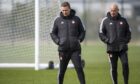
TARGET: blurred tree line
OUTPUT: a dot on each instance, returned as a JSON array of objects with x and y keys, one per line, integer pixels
[{"x": 17, "y": 20}]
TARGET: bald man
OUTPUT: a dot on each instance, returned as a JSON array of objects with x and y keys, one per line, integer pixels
[{"x": 115, "y": 33}]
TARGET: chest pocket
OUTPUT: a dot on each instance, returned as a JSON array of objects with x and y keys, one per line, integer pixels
[
  {"x": 73, "y": 24},
  {"x": 111, "y": 27},
  {"x": 122, "y": 26}
]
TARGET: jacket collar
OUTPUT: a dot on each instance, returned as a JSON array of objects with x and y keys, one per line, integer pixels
[{"x": 113, "y": 18}]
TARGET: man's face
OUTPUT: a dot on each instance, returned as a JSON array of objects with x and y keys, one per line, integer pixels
[
  {"x": 114, "y": 11},
  {"x": 65, "y": 10}
]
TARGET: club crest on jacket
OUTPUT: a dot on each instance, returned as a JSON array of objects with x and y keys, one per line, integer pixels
[
  {"x": 110, "y": 23},
  {"x": 121, "y": 23},
  {"x": 73, "y": 22},
  {"x": 62, "y": 22}
]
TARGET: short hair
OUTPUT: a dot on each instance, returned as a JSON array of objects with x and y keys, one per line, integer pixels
[{"x": 65, "y": 4}]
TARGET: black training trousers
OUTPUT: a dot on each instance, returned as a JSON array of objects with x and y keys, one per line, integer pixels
[
  {"x": 113, "y": 57},
  {"x": 75, "y": 57}
]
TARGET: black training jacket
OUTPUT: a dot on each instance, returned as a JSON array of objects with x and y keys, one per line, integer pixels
[
  {"x": 115, "y": 32},
  {"x": 68, "y": 32}
]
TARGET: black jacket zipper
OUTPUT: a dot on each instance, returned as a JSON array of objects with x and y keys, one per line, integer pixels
[{"x": 68, "y": 37}]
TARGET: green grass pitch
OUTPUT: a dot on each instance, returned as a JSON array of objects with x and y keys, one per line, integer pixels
[{"x": 97, "y": 70}]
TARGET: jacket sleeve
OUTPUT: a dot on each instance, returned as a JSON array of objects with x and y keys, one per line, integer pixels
[
  {"x": 54, "y": 33},
  {"x": 81, "y": 30},
  {"x": 128, "y": 33},
  {"x": 102, "y": 32}
]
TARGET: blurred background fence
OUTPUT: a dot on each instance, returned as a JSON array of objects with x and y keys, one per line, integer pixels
[{"x": 17, "y": 27}]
